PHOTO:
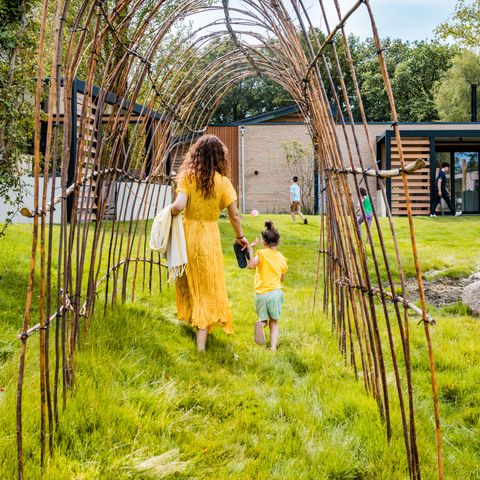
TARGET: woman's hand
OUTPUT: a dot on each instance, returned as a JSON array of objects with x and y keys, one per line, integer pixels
[{"x": 243, "y": 242}]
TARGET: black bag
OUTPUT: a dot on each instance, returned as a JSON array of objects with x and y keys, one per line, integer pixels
[{"x": 242, "y": 255}]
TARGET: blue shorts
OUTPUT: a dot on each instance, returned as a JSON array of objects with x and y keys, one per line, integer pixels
[{"x": 269, "y": 305}]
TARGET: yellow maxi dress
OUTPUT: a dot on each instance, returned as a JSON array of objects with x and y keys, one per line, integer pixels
[{"x": 201, "y": 294}]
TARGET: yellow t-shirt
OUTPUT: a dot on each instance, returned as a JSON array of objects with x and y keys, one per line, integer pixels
[{"x": 268, "y": 273}]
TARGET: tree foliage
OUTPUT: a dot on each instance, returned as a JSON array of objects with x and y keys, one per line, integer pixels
[
  {"x": 300, "y": 164},
  {"x": 414, "y": 79},
  {"x": 372, "y": 88},
  {"x": 250, "y": 97},
  {"x": 17, "y": 74},
  {"x": 464, "y": 25},
  {"x": 414, "y": 67},
  {"x": 452, "y": 92}
]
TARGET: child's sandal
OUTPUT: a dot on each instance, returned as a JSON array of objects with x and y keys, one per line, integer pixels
[{"x": 259, "y": 335}]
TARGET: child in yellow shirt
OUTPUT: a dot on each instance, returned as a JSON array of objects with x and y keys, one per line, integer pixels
[{"x": 270, "y": 269}]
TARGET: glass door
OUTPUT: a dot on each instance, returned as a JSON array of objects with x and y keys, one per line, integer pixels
[{"x": 465, "y": 182}]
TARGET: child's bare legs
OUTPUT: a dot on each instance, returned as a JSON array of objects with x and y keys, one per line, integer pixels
[
  {"x": 273, "y": 324},
  {"x": 201, "y": 339},
  {"x": 258, "y": 333},
  {"x": 295, "y": 210}
]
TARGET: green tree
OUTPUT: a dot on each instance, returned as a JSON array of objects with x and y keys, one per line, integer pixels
[
  {"x": 414, "y": 78},
  {"x": 413, "y": 68},
  {"x": 17, "y": 74},
  {"x": 452, "y": 92},
  {"x": 464, "y": 25},
  {"x": 301, "y": 164},
  {"x": 370, "y": 78},
  {"x": 248, "y": 97}
]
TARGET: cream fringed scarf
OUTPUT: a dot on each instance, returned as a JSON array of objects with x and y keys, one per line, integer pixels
[{"x": 168, "y": 238}]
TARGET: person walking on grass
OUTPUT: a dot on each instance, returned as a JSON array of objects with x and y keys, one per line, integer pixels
[
  {"x": 441, "y": 191},
  {"x": 367, "y": 214},
  {"x": 295, "y": 208},
  {"x": 203, "y": 191},
  {"x": 270, "y": 269}
]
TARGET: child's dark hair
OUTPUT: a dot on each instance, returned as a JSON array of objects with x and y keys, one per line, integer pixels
[
  {"x": 295, "y": 179},
  {"x": 270, "y": 235},
  {"x": 445, "y": 164},
  {"x": 363, "y": 192}
]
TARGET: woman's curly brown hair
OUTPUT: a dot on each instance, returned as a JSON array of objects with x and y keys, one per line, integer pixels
[{"x": 207, "y": 156}]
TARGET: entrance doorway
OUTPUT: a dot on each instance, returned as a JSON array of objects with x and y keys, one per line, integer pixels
[
  {"x": 465, "y": 170},
  {"x": 463, "y": 180}
]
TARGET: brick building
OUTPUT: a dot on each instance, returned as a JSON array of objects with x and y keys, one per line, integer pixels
[{"x": 261, "y": 174}]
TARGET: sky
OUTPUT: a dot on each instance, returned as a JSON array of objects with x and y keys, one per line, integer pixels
[{"x": 405, "y": 19}]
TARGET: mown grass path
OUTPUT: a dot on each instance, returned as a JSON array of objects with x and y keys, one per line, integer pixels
[{"x": 146, "y": 405}]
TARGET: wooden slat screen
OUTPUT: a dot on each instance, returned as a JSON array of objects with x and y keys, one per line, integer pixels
[
  {"x": 419, "y": 182},
  {"x": 229, "y": 136},
  {"x": 178, "y": 155},
  {"x": 87, "y": 207}
]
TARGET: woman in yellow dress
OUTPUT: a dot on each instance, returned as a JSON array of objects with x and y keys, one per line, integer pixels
[{"x": 204, "y": 190}]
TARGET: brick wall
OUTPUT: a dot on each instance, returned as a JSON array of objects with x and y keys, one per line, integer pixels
[{"x": 268, "y": 191}]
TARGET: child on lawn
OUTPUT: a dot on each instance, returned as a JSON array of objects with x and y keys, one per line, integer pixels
[
  {"x": 367, "y": 207},
  {"x": 270, "y": 269},
  {"x": 295, "y": 199}
]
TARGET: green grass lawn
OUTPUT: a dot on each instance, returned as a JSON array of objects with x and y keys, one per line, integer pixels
[{"x": 146, "y": 405}]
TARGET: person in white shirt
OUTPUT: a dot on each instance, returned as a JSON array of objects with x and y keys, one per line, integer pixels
[{"x": 295, "y": 200}]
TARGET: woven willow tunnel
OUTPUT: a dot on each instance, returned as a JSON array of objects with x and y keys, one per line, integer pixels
[{"x": 124, "y": 95}]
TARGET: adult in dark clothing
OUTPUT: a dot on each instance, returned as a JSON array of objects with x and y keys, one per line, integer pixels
[{"x": 441, "y": 191}]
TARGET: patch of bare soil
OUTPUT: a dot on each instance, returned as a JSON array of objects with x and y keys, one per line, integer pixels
[{"x": 440, "y": 292}]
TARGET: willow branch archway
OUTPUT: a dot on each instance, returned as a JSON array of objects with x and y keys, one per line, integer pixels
[{"x": 146, "y": 90}]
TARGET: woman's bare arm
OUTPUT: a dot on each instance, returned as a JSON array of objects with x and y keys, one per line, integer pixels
[
  {"x": 235, "y": 220},
  {"x": 179, "y": 204}
]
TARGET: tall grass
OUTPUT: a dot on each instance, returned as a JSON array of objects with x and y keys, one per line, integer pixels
[{"x": 146, "y": 405}]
